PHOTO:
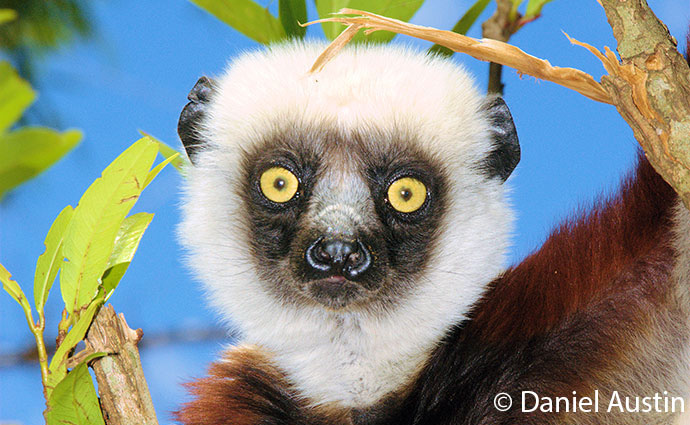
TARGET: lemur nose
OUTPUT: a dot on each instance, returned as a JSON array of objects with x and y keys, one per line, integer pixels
[{"x": 336, "y": 256}]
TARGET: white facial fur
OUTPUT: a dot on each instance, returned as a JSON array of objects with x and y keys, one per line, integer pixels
[{"x": 349, "y": 358}]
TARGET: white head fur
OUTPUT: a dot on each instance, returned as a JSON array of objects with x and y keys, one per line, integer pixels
[{"x": 347, "y": 357}]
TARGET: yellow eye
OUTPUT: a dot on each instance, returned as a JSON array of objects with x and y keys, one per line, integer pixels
[
  {"x": 278, "y": 184},
  {"x": 407, "y": 194}
]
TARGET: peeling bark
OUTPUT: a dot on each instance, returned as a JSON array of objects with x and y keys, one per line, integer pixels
[{"x": 650, "y": 87}]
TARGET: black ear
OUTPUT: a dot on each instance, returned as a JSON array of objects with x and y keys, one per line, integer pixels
[
  {"x": 505, "y": 155},
  {"x": 192, "y": 114}
]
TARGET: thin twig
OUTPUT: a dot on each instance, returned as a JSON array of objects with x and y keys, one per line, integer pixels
[
  {"x": 29, "y": 355},
  {"x": 499, "y": 27},
  {"x": 340, "y": 41},
  {"x": 485, "y": 49}
]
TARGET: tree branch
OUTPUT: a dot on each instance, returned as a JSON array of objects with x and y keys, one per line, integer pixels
[
  {"x": 124, "y": 394},
  {"x": 485, "y": 50},
  {"x": 651, "y": 89},
  {"x": 498, "y": 27}
]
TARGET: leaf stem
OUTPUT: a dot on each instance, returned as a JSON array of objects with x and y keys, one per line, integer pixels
[
  {"x": 37, "y": 330},
  {"x": 41, "y": 348},
  {"x": 63, "y": 327}
]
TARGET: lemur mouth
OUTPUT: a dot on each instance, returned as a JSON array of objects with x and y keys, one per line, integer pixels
[
  {"x": 338, "y": 272},
  {"x": 335, "y": 292},
  {"x": 335, "y": 280}
]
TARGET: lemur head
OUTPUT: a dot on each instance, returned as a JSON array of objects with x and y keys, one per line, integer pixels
[{"x": 368, "y": 189}]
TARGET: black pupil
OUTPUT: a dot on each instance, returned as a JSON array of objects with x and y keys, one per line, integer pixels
[
  {"x": 406, "y": 194},
  {"x": 279, "y": 183}
]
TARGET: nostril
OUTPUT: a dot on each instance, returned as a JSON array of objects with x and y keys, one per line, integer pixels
[
  {"x": 317, "y": 257},
  {"x": 357, "y": 262},
  {"x": 321, "y": 254},
  {"x": 335, "y": 256}
]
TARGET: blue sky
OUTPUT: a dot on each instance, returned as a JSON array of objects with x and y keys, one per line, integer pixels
[{"x": 136, "y": 74}]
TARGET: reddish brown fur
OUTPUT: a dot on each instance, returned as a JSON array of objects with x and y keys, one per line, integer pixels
[
  {"x": 230, "y": 393},
  {"x": 585, "y": 260},
  {"x": 245, "y": 388}
]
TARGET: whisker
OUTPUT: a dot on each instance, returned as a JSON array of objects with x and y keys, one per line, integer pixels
[
  {"x": 446, "y": 271},
  {"x": 237, "y": 274}
]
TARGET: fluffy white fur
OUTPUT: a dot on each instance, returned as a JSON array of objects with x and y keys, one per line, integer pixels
[{"x": 348, "y": 358}]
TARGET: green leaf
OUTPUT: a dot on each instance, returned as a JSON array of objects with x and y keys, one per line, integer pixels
[
  {"x": 74, "y": 400},
  {"x": 15, "y": 96},
  {"x": 463, "y": 25},
  {"x": 126, "y": 245},
  {"x": 179, "y": 162},
  {"x": 164, "y": 149},
  {"x": 128, "y": 238},
  {"x": 534, "y": 8},
  {"x": 402, "y": 10},
  {"x": 13, "y": 288},
  {"x": 292, "y": 13},
  {"x": 7, "y": 15},
  {"x": 513, "y": 10},
  {"x": 327, "y": 7},
  {"x": 27, "y": 152},
  {"x": 153, "y": 173},
  {"x": 45, "y": 25},
  {"x": 50, "y": 261},
  {"x": 91, "y": 234},
  {"x": 112, "y": 277},
  {"x": 57, "y": 367},
  {"x": 247, "y": 17}
]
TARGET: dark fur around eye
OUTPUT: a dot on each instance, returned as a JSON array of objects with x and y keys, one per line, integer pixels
[
  {"x": 409, "y": 237},
  {"x": 274, "y": 225}
]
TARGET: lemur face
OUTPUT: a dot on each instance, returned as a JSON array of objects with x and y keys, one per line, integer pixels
[
  {"x": 353, "y": 190},
  {"x": 340, "y": 219}
]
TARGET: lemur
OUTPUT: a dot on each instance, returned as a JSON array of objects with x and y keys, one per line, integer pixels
[{"x": 353, "y": 225}]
